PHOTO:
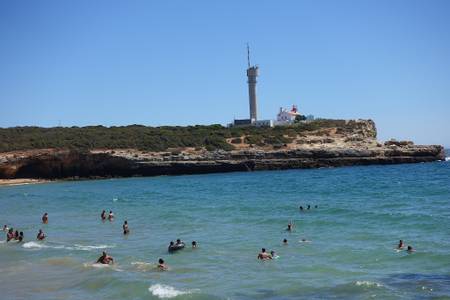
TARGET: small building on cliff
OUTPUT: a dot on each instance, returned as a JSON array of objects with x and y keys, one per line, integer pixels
[{"x": 286, "y": 117}]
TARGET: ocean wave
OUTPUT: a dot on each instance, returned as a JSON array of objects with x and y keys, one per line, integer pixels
[
  {"x": 447, "y": 158},
  {"x": 143, "y": 266},
  {"x": 165, "y": 291},
  {"x": 89, "y": 248},
  {"x": 36, "y": 245},
  {"x": 113, "y": 267},
  {"x": 368, "y": 283}
]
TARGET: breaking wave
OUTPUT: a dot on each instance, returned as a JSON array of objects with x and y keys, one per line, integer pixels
[
  {"x": 368, "y": 283},
  {"x": 36, "y": 245},
  {"x": 165, "y": 291}
]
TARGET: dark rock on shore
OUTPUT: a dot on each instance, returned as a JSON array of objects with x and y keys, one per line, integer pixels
[{"x": 64, "y": 164}]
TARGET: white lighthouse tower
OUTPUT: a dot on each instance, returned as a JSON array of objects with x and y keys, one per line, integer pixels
[{"x": 252, "y": 73}]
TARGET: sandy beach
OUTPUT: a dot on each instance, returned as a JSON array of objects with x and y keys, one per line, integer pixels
[{"x": 21, "y": 181}]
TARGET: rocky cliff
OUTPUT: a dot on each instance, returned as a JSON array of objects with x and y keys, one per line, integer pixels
[{"x": 352, "y": 144}]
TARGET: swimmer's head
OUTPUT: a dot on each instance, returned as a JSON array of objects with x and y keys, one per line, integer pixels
[
  {"x": 263, "y": 250},
  {"x": 285, "y": 241},
  {"x": 178, "y": 241},
  {"x": 272, "y": 253},
  {"x": 171, "y": 243},
  {"x": 161, "y": 261},
  {"x": 126, "y": 222},
  {"x": 104, "y": 253},
  {"x": 194, "y": 243}
]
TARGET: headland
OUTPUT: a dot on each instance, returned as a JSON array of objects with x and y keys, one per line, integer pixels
[{"x": 104, "y": 152}]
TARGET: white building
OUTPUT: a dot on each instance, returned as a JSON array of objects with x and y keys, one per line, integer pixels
[{"x": 285, "y": 116}]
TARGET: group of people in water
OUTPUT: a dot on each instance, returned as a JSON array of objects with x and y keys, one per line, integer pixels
[
  {"x": 107, "y": 259},
  {"x": 178, "y": 245},
  {"x": 401, "y": 246},
  {"x": 110, "y": 217},
  {"x": 17, "y": 236},
  {"x": 307, "y": 207},
  {"x": 263, "y": 255}
]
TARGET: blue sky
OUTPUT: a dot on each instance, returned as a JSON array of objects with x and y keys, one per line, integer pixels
[{"x": 183, "y": 62}]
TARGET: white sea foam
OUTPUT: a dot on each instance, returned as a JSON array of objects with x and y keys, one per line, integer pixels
[
  {"x": 165, "y": 291},
  {"x": 96, "y": 265},
  {"x": 368, "y": 283},
  {"x": 113, "y": 267},
  {"x": 143, "y": 266},
  {"x": 89, "y": 248},
  {"x": 447, "y": 158},
  {"x": 34, "y": 245}
]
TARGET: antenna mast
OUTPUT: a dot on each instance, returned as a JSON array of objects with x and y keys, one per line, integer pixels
[{"x": 248, "y": 56}]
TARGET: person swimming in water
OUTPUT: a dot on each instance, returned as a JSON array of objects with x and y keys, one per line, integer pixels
[
  {"x": 111, "y": 215},
  {"x": 161, "y": 265},
  {"x": 263, "y": 255},
  {"x": 125, "y": 227},
  {"x": 400, "y": 245},
  {"x": 105, "y": 259},
  {"x": 20, "y": 236},
  {"x": 5, "y": 228},
  {"x": 194, "y": 244},
  {"x": 285, "y": 242},
  {"x": 315, "y": 206},
  {"x": 309, "y": 207},
  {"x": 290, "y": 226},
  {"x": 10, "y": 235},
  {"x": 301, "y": 207},
  {"x": 273, "y": 254},
  {"x": 410, "y": 249},
  {"x": 103, "y": 215},
  {"x": 40, "y": 236},
  {"x": 45, "y": 218},
  {"x": 16, "y": 235}
]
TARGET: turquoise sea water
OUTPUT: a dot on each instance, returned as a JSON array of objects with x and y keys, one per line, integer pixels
[{"x": 362, "y": 213}]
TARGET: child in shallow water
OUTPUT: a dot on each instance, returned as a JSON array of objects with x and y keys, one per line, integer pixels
[
  {"x": 105, "y": 259},
  {"x": 410, "y": 249},
  {"x": 20, "y": 236},
  {"x": 40, "y": 236},
  {"x": 161, "y": 265},
  {"x": 125, "y": 228}
]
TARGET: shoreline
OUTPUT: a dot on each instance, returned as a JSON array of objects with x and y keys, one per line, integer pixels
[
  {"x": 22, "y": 181},
  {"x": 28, "y": 181}
]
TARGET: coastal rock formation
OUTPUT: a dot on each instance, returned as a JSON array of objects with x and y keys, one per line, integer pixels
[
  {"x": 350, "y": 143},
  {"x": 69, "y": 164}
]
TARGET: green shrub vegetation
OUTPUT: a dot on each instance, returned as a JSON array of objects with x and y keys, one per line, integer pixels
[{"x": 146, "y": 138}]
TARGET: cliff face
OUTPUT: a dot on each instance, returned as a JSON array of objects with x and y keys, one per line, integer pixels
[{"x": 352, "y": 144}]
